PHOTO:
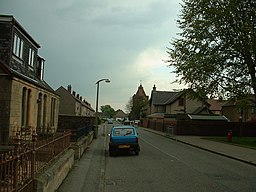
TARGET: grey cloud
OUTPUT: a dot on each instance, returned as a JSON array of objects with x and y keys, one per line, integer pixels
[{"x": 85, "y": 40}]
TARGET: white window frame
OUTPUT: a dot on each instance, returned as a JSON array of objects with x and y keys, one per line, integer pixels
[
  {"x": 31, "y": 57},
  {"x": 18, "y": 45},
  {"x": 42, "y": 70}
]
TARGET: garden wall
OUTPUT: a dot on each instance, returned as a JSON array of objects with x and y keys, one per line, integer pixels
[{"x": 203, "y": 128}]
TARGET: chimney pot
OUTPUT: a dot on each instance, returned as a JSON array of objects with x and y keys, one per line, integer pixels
[{"x": 69, "y": 88}]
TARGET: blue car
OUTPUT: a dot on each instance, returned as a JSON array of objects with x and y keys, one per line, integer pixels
[{"x": 123, "y": 138}]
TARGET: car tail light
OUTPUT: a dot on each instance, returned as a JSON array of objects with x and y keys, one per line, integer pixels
[{"x": 137, "y": 140}]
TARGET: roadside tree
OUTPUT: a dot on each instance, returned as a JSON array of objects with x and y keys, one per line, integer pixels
[
  {"x": 128, "y": 106},
  {"x": 216, "y": 52},
  {"x": 108, "y": 111}
]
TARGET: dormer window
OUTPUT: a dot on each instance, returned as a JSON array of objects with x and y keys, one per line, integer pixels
[
  {"x": 42, "y": 70},
  {"x": 18, "y": 46},
  {"x": 31, "y": 57}
]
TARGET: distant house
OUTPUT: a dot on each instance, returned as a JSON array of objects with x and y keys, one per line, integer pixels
[
  {"x": 72, "y": 103},
  {"x": 216, "y": 105},
  {"x": 120, "y": 115},
  {"x": 240, "y": 110},
  {"x": 27, "y": 102},
  {"x": 173, "y": 103}
]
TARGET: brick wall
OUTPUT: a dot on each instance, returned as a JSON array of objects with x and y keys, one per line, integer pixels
[{"x": 204, "y": 128}]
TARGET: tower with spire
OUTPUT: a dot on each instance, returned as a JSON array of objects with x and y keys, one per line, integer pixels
[{"x": 140, "y": 102}]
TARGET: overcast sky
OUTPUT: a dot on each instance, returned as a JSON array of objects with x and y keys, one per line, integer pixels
[{"x": 83, "y": 41}]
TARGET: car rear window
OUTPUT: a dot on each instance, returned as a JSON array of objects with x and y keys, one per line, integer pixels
[{"x": 123, "y": 131}]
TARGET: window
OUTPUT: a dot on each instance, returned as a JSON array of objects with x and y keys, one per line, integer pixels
[
  {"x": 25, "y": 107},
  {"x": 181, "y": 101},
  {"x": 18, "y": 46},
  {"x": 31, "y": 57},
  {"x": 42, "y": 70},
  {"x": 53, "y": 106},
  {"x": 253, "y": 109},
  {"x": 123, "y": 131}
]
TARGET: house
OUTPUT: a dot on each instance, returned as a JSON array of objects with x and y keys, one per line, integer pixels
[
  {"x": 28, "y": 103},
  {"x": 216, "y": 106},
  {"x": 240, "y": 109},
  {"x": 120, "y": 115},
  {"x": 175, "y": 102},
  {"x": 72, "y": 103}
]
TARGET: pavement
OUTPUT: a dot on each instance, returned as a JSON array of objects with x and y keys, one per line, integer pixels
[{"x": 244, "y": 154}]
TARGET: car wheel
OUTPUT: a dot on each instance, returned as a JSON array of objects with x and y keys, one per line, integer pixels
[{"x": 136, "y": 152}]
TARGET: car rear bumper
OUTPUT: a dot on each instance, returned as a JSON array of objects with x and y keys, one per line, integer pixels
[{"x": 113, "y": 147}]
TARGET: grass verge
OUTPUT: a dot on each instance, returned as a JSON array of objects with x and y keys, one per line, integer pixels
[{"x": 241, "y": 141}]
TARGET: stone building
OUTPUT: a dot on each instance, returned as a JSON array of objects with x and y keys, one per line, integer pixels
[
  {"x": 72, "y": 103},
  {"x": 139, "y": 104},
  {"x": 27, "y": 102}
]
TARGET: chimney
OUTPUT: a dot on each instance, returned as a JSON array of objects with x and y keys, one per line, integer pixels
[
  {"x": 154, "y": 88},
  {"x": 69, "y": 88}
]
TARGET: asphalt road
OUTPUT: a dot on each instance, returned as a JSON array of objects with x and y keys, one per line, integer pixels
[
  {"x": 162, "y": 165},
  {"x": 167, "y": 165}
]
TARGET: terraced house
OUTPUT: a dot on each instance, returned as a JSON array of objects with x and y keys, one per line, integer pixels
[{"x": 27, "y": 102}]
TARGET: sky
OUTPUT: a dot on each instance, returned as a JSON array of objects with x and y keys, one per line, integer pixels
[{"x": 84, "y": 41}]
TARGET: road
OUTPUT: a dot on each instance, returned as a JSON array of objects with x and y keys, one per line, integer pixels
[{"x": 163, "y": 165}]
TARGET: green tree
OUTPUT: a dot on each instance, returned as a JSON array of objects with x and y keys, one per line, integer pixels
[
  {"x": 138, "y": 108},
  {"x": 216, "y": 52},
  {"x": 128, "y": 106},
  {"x": 108, "y": 111}
]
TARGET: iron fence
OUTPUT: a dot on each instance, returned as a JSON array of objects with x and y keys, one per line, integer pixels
[{"x": 19, "y": 166}]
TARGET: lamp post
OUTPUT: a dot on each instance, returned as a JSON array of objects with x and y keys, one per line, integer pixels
[{"x": 95, "y": 134}]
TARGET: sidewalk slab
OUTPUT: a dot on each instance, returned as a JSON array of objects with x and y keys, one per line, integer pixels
[{"x": 244, "y": 154}]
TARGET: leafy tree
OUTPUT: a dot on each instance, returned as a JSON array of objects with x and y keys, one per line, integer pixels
[
  {"x": 108, "y": 111},
  {"x": 128, "y": 106},
  {"x": 216, "y": 52},
  {"x": 138, "y": 108}
]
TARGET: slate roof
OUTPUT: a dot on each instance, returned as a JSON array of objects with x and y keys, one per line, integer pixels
[
  {"x": 83, "y": 102},
  {"x": 37, "y": 82},
  {"x": 162, "y": 115},
  {"x": 208, "y": 117},
  {"x": 164, "y": 97},
  {"x": 120, "y": 114},
  {"x": 201, "y": 109},
  {"x": 233, "y": 101},
  {"x": 13, "y": 21}
]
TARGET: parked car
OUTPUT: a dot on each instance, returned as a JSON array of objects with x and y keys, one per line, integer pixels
[
  {"x": 127, "y": 122},
  {"x": 110, "y": 121},
  {"x": 123, "y": 138}
]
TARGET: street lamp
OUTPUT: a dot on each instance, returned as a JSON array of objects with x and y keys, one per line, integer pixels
[{"x": 97, "y": 102}]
